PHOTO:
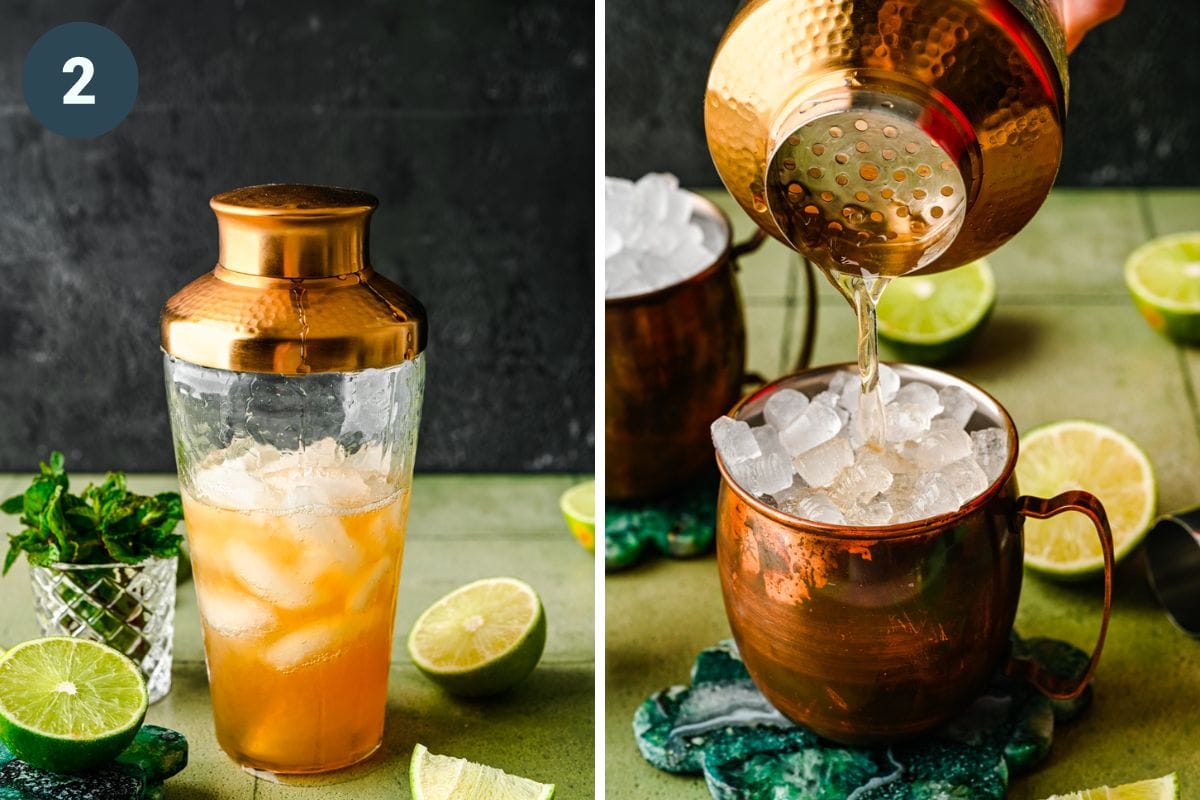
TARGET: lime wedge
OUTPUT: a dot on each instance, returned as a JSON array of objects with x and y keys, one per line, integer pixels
[
  {"x": 1084, "y": 455},
  {"x": 1163, "y": 277},
  {"x": 578, "y": 506},
  {"x": 434, "y": 777},
  {"x": 69, "y": 705},
  {"x": 480, "y": 639},
  {"x": 928, "y": 319},
  {"x": 1164, "y": 788}
]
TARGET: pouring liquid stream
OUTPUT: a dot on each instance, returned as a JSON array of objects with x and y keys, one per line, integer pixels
[{"x": 863, "y": 293}]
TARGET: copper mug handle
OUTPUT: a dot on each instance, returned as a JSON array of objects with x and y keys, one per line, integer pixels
[
  {"x": 755, "y": 241},
  {"x": 1042, "y": 679}
]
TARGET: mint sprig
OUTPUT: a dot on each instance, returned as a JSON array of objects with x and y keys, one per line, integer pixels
[{"x": 107, "y": 523}]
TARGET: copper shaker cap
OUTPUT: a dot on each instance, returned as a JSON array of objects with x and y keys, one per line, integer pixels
[
  {"x": 898, "y": 127},
  {"x": 293, "y": 292}
]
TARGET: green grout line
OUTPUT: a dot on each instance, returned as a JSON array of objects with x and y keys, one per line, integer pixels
[
  {"x": 1149, "y": 229},
  {"x": 1189, "y": 389},
  {"x": 789, "y": 320}
]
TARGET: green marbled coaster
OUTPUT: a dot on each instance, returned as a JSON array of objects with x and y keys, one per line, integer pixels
[
  {"x": 721, "y": 725},
  {"x": 680, "y": 525},
  {"x": 137, "y": 774}
]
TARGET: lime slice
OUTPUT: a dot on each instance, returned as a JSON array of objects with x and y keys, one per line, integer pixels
[
  {"x": 928, "y": 319},
  {"x": 1084, "y": 455},
  {"x": 434, "y": 777},
  {"x": 1163, "y": 277},
  {"x": 480, "y": 639},
  {"x": 578, "y": 506},
  {"x": 1164, "y": 788},
  {"x": 69, "y": 705}
]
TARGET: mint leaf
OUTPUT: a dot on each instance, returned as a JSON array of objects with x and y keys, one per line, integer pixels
[{"x": 105, "y": 523}]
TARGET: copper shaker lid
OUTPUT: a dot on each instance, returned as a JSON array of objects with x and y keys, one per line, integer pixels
[
  {"x": 292, "y": 292},
  {"x": 840, "y": 124}
]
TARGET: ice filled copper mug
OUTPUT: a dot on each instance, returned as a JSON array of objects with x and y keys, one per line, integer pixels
[
  {"x": 869, "y": 634},
  {"x": 674, "y": 360}
]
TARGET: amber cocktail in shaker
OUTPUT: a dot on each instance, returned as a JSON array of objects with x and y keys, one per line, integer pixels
[
  {"x": 876, "y": 633},
  {"x": 295, "y": 375},
  {"x": 674, "y": 361}
]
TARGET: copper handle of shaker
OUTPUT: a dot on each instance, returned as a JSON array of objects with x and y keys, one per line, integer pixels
[{"x": 1038, "y": 508}]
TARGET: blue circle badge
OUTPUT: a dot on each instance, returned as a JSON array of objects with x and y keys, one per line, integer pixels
[{"x": 80, "y": 80}]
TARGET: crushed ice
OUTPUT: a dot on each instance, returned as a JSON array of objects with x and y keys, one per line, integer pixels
[{"x": 809, "y": 458}]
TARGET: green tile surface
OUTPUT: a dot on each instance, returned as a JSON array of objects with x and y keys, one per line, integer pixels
[
  {"x": 1065, "y": 341},
  {"x": 460, "y": 528}
]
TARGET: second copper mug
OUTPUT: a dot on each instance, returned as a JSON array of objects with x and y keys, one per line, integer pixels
[
  {"x": 872, "y": 634},
  {"x": 674, "y": 361}
]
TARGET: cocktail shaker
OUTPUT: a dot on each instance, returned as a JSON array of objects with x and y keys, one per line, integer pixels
[
  {"x": 294, "y": 378},
  {"x": 888, "y": 136}
]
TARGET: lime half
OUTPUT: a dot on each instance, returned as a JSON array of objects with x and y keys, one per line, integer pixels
[
  {"x": 480, "y": 639},
  {"x": 434, "y": 777},
  {"x": 927, "y": 319},
  {"x": 1164, "y": 788},
  {"x": 1163, "y": 277},
  {"x": 69, "y": 705},
  {"x": 1084, "y": 455},
  {"x": 578, "y": 506}
]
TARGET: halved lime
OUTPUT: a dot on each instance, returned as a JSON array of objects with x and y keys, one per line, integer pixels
[
  {"x": 434, "y": 777},
  {"x": 1084, "y": 455},
  {"x": 69, "y": 705},
  {"x": 927, "y": 319},
  {"x": 578, "y": 506},
  {"x": 480, "y": 639},
  {"x": 1163, "y": 276},
  {"x": 1164, "y": 788}
]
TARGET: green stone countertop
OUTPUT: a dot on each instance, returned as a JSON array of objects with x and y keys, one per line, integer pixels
[
  {"x": 1065, "y": 341},
  {"x": 461, "y": 528}
]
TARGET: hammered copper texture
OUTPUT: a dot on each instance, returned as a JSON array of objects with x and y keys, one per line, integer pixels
[
  {"x": 873, "y": 634},
  {"x": 292, "y": 293},
  {"x": 983, "y": 61},
  {"x": 245, "y": 323}
]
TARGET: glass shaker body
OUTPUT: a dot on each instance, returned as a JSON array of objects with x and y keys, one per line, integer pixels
[{"x": 294, "y": 377}]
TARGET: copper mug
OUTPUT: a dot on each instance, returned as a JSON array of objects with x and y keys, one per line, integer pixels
[
  {"x": 674, "y": 361},
  {"x": 878, "y": 633}
]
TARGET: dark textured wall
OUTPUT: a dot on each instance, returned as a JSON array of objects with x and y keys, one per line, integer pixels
[
  {"x": 467, "y": 118},
  {"x": 1134, "y": 118}
]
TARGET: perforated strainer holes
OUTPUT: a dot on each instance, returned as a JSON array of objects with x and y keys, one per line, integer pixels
[{"x": 839, "y": 196}]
